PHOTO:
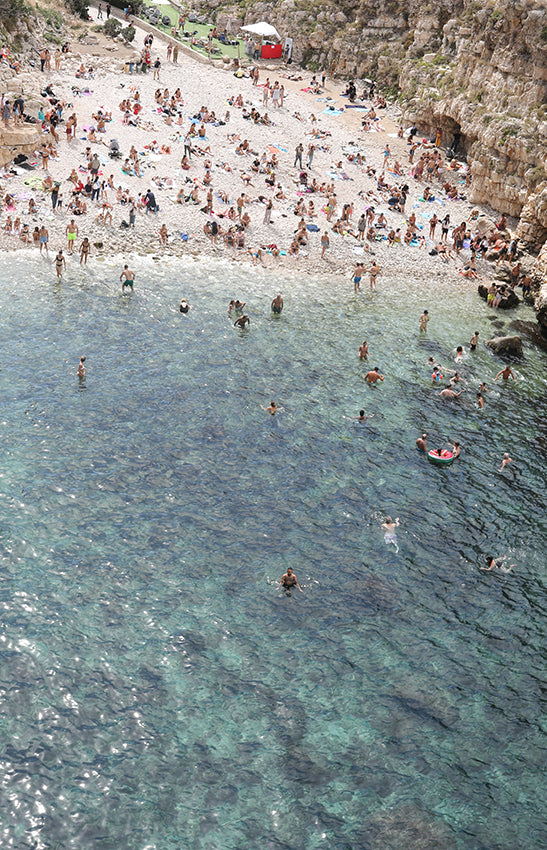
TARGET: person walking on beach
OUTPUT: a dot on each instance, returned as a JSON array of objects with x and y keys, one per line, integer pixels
[
  {"x": 325, "y": 242},
  {"x": 60, "y": 263},
  {"x": 108, "y": 10},
  {"x": 298, "y": 155},
  {"x": 175, "y": 54},
  {"x": 71, "y": 231},
  {"x": 85, "y": 248},
  {"x": 311, "y": 151},
  {"x": 268, "y": 213},
  {"x": 44, "y": 236},
  {"x": 128, "y": 278}
]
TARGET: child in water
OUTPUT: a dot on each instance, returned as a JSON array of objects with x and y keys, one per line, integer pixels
[{"x": 390, "y": 536}]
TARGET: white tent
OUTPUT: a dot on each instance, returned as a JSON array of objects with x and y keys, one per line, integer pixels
[{"x": 263, "y": 29}]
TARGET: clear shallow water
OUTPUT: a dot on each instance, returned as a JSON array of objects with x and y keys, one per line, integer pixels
[{"x": 156, "y": 691}]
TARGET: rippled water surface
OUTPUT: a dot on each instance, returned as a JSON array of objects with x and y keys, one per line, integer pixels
[{"x": 157, "y": 691}]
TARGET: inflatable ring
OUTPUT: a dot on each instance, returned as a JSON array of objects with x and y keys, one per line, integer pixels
[{"x": 444, "y": 459}]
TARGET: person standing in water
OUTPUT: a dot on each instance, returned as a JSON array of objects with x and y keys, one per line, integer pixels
[
  {"x": 242, "y": 321},
  {"x": 424, "y": 319},
  {"x": 390, "y": 535},
  {"x": 505, "y": 462},
  {"x": 128, "y": 278},
  {"x": 60, "y": 263},
  {"x": 506, "y": 373},
  {"x": 363, "y": 351},
  {"x": 277, "y": 304},
  {"x": 373, "y": 376},
  {"x": 421, "y": 443},
  {"x": 357, "y": 275},
  {"x": 373, "y": 272},
  {"x": 289, "y": 580},
  {"x": 81, "y": 368}
]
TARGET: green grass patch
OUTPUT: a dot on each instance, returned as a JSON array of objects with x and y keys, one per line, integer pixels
[{"x": 202, "y": 31}]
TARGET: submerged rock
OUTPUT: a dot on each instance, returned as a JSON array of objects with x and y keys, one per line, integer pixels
[{"x": 510, "y": 346}]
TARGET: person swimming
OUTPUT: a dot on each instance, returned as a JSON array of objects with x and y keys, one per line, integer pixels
[
  {"x": 184, "y": 306},
  {"x": 390, "y": 535},
  {"x": 497, "y": 563}
]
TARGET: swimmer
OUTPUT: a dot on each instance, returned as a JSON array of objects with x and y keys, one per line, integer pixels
[
  {"x": 448, "y": 393},
  {"x": 456, "y": 379},
  {"x": 277, "y": 304},
  {"x": 374, "y": 375},
  {"x": 272, "y": 408},
  {"x": 483, "y": 388},
  {"x": 242, "y": 321},
  {"x": 424, "y": 319},
  {"x": 456, "y": 449},
  {"x": 128, "y": 278},
  {"x": 436, "y": 375},
  {"x": 474, "y": 341},
  {"x": 362, "y": 417},
  {"x": 506, "y": 373},
  {"x": 497, "y": 563},
  {"x": 289, "y": 580},
  {"x": 184, "y": 306},
  {"x": 363, "y": 351},
  {"x": 81, "y": 368},
  {"x": 390, "y": 536},
  {"x": 421, "y": 443},
  {"x": 459, "y": 353},
  {"x": 505, "y": 462},
  {"x": 480, "y": 401}
]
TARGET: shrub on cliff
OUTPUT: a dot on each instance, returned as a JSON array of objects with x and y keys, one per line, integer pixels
[
  {"x": 80, "y": 8},
  {"x": 128, "y": 33},
  {"x": 112, "y": 28}
]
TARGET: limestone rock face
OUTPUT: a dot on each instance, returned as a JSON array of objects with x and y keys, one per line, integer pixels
[
  {"x": 541, "y": 309},
  {"x": 15, "y": 140}
]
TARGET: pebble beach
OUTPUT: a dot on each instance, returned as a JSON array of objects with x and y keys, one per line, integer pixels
[{"x": 322, "y": 117}]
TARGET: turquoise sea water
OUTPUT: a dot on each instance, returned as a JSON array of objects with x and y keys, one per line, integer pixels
[{"x": 157, "y": 691}]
